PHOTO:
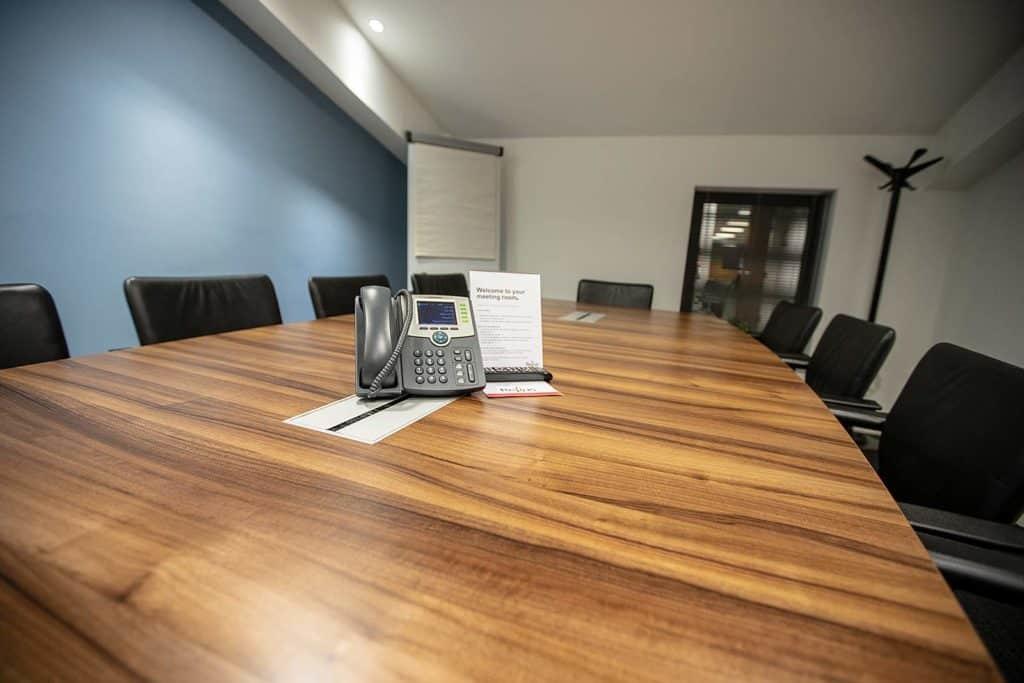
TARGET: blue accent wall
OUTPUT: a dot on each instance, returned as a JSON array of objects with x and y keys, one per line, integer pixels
[{"x": 162, "y": 137}]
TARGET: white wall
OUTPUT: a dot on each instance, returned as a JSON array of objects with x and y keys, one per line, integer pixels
[
  {"x": 619, "y": 209},
  {"x": 914, "y": 298},
  {"x": 321, "y": 41},
  {"x": 983, "y": 297},
  {"x": 987, "y": 130},
  {"x": 955, "y": 274}
]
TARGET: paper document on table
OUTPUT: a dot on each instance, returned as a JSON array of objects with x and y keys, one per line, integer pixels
[
  {"x": 582, "y": 317},
  {"x": 369, "y": 421},
  {"x": 508, "y": 324}
]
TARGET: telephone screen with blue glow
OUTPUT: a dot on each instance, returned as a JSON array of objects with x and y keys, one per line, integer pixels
[{"x": 436, "y": 313}]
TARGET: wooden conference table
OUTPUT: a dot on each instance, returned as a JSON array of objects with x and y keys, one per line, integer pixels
[{"x": 687, "y": 510}]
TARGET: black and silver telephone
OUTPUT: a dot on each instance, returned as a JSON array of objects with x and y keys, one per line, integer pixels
[{"x": 418, "y": 344}]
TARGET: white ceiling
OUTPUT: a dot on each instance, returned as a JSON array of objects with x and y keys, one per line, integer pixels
[{"x": 514, "y": 68}]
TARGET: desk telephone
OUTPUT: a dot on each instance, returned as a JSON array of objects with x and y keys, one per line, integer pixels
[{"x": 417, "y": 344}]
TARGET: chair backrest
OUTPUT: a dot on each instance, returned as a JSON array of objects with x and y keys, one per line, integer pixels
[
  {"x": 451, "y": 284},
  {"x": 790, "y": 327},
  {"x": 169, "y": 308},
  {"x": 337, "y": 295},
  {"x": 954, "y": 439},
  {"x": 715, "y": 296},
  {"x": 30, "y": 329},
  {"x": 848, "y": 356},
  {"x": 614, "y": 293}
]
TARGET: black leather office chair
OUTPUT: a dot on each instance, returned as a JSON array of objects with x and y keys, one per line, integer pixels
[
  {"x": 626, "y": 294},
  {"x": 848, "y": 357},
  {"x": 1000, "y": 625},
  {"x": 337, "y": 295},
  {"x": 954, "y": 439},
  {"x": 450, "y": 284},
  {"x": 951, "y": 452},
  {"x": 30, "y": 329},
  {"x": 716, "y": 294},
  {"x": 169, "y": 308},
  {"x": 790, "y": 327}
]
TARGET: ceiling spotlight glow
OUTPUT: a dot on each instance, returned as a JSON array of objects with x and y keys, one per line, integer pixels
[
  {"x": 741, "y": 224},
  {"x": 376, "y": 25},
  {"x": 724, "y": 236},
  {"x": 731, "y": 229},
  {"x": 744, "y": 212}
]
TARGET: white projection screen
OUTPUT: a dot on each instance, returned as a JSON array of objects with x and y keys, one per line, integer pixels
[{"x": 454, "y": 203}]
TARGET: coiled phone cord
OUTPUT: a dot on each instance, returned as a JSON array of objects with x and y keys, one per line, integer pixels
[{"x": 379, "y": 379}]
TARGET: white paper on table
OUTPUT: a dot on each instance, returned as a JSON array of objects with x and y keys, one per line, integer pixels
[
  {"x": 373, "y": 428},
  {"x": 512, "y": 389},
  {"x": 582, "y": 317},
  {"x": 507, "y": 311}
]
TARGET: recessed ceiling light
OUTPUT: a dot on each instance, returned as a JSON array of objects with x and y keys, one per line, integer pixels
[
  {"x": 376, "y": 25},
  {"x": 731, "y": 229},
  {"x": 741, "y": 224},
  {"x": 724, "y": 236},
  {"x": 744, "y": 212}
]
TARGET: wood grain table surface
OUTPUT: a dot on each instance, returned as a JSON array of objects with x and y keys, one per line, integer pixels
[{"x": 687, "y": 510}]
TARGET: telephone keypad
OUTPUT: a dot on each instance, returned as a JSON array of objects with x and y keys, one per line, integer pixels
[{"x": 434, "y": 369}]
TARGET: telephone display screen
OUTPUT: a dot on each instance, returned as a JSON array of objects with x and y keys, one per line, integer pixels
[{"x": 436, "y": 312}]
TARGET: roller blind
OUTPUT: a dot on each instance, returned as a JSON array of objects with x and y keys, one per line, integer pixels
[{"x": 454, "y": 202}]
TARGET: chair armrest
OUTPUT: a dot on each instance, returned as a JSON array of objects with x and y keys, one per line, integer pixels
[
  {"x": 997, "y": 573},
  {"x": 979, "y": 532},
  {"x": 797, "y": 361},
  {"x": 865, "y": 419},
  {"x": 848, "y": 402}
]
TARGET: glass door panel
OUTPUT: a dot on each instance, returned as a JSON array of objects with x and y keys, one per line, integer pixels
[{"x": 748, "y": 252}]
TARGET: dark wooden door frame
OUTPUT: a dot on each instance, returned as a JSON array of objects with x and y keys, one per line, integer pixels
[{"x": 817, "y": 202}]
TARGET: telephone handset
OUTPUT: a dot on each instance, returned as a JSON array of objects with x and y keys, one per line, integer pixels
[{"x": 418, "y": 344}]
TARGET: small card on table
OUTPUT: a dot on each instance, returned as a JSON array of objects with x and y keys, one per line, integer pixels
[
  {"x": 515, "y": 389},
  {"x": 582, "y": 317}
]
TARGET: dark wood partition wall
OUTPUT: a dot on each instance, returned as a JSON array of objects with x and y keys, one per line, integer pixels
[{"x": 688, "y": 510}]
